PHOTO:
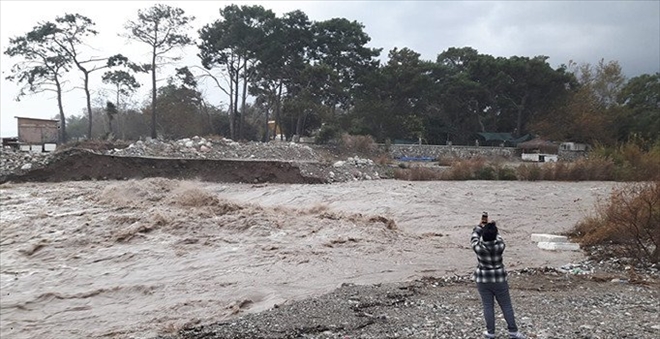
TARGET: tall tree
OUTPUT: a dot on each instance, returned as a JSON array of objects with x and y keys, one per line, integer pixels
[
  {"x": 641, "y": 98},
  {"x": 163, "y": 28},
  {"x": 70, "y": 33},
  {"x": 489, "y": 94},
  {"x": 464, "y": 105},
  {"x": 526, "y": 87},
  {"x": 591, "y": 113},
  {"x": 400, "y": 93},
  {"x": 341, "y": 44},
  {"x": 42, "y": 68},
  {"x": 182, "y": 108},
  {"x": 234, "y": 44},
  {"x": 124, "y": 82},
  {"x": 282, "y": 60}
]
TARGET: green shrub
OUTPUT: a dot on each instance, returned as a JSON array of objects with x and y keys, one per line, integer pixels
[
  {"x": 327, "y": 134},
  {"x": 506, "y": 173},
  {"x": 485, "y": 173}
]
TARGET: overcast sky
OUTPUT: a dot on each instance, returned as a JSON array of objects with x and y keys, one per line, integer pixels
[{"x": 582, "y": 31}]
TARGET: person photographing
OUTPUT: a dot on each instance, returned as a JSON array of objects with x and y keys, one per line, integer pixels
[{"x": 491, "y": 277}]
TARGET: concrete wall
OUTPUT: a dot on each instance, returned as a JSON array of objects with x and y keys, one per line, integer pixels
[
  {"x": 572, "y": 155},
  {"x": 537, "y": 157},
  {"x": 446, "y": 151}
]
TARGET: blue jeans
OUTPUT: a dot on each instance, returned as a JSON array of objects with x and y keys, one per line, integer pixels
[{"x": 499, "y": 291}]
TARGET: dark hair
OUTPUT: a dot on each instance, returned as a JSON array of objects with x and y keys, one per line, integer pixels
[{"x": 490, "y": 232}]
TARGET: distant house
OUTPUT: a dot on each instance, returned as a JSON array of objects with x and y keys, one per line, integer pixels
[
  {"x": 573, "y": 150},
  {"x": 37, "y": 135},
  {"x": 573, "y": 146},
  {"x": 539, "y": 150}
]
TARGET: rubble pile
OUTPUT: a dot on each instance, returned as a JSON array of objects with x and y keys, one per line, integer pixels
[
  {"x": 312, "y": 162},
  {"x": 198, "y": 147},
  {"x": 12, "y": 161}
]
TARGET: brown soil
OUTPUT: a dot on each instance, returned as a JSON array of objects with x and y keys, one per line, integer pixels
[{"x": 79, "y": 164}]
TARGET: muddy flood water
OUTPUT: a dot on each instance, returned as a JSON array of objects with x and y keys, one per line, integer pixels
[{"x": 132, "y": 259}]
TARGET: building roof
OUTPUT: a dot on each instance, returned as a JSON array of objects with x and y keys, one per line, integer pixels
[
  {"x": 36, "y": 118},
  {"x": 540, "y": 144}
]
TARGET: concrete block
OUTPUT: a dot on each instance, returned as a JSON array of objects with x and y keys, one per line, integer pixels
[
  {"x": 36, "y": 148},
  {"x": 24, "y": 148},
  {"x": 559, "y": 246},
  {"x": 540, "y": 237},
  {"x": 50, "y": 147}
]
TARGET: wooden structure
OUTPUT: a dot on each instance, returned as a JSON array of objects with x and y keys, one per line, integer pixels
[{"x": 37, "y": 134}]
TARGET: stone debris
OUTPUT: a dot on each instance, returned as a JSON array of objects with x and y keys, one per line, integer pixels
[
  {"x": 198, "y": 147},
  {"x": 19, "y": 162},
  {"x": 577, "y": 269},
  {"x": 549, "y": 303},
  {"x": 558, "y": 246},
  {"x": 312, "y": 161}
]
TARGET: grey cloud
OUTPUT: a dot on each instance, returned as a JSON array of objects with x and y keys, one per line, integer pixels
[{"x": 583, "y": 31}]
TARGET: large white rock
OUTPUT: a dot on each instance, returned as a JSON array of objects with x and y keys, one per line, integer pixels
[
  {"x": 541, "y": 237},
  {"x": 559, "y": 246}
]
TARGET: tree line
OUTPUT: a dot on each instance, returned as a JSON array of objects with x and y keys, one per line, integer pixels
[{"x": 320, "y": 77}]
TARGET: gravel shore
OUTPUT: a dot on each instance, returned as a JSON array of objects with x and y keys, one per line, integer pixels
[{"x": 548, "y": 303}]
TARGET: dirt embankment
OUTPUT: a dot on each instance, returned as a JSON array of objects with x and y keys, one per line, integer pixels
[
  {"x": 78, "y": 164},
  {"x": 196, "y": 158}
]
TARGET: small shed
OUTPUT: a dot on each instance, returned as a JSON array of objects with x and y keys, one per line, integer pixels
[
  {"x": 539, "y": 150},
  {"x": 538, "y": 145},
  {"x": 37, "y": 134},
  {"x": 573, "y": 147},
  {"x": 573, "y": 150}
]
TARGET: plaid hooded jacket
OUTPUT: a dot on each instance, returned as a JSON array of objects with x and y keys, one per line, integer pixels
[{"x": 489, "y": 255}]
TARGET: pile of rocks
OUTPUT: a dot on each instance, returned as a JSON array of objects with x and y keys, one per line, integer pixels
[
  {"x": 13, "y": 161},
  {"x": 198, "y": 147}
]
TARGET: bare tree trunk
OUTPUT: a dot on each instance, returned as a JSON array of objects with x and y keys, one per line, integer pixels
[
  {"x": 153, "y": 84},
  {"x": 236, "y": 81},
  {"x": 89, "y": 102},
  {"x": 232, "y": 133},
  {"x": 63, "y": 136},
  {"x": 118, "y": 89},
  {"x": 153, "y": 93},
  {"x": 521, "y": 108},
  {"x": 278, "y": 110},
  {"x": 241, "y": 122}
]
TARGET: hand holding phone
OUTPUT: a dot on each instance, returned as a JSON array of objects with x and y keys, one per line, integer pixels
[{"x": 484, "y": 219}]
